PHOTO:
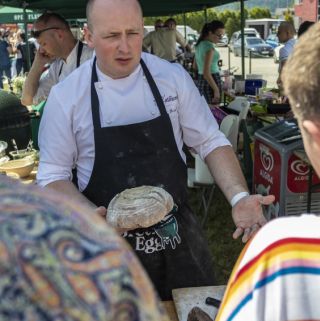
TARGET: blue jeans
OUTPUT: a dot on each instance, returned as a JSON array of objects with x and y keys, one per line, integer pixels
[{"x": 7, "y": 71}]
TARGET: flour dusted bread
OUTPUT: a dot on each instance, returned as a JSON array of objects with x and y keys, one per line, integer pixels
[{"x": 138, "y": 207}]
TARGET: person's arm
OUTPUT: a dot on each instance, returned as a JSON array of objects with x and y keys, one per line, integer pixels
[
  {"x": 208, "y": 76},
  {"x": 146, "y": 42},
  {"x": 247, "y": 212},
  {"x": 9, "y": 49},
  {"x": 31, "y": 83}
]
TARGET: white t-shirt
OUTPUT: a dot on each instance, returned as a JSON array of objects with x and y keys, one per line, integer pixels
[
  {"x": 52, "y": 77},
  {"x": 286, "y": 50},
  {"x": 66, "y": 129}
]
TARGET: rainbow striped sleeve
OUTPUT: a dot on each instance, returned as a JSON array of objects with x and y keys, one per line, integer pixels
[{"x": 279, "y": 283}]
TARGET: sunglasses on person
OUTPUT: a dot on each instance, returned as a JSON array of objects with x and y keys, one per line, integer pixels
[{"x": 37, "y": 33}]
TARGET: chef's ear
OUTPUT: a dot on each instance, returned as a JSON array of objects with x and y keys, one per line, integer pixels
[{"x": 88, "y": 36}]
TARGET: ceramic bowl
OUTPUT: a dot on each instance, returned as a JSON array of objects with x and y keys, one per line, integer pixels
[
  {"x": 22, "y": 167},
  {"x": 22, "y": 153}
]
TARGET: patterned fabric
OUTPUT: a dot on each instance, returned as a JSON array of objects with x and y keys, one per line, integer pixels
[
  {"x": 60, "y": 263},
  {"x": 277, "y": 275},
  {"x": 205, "y": 88}
]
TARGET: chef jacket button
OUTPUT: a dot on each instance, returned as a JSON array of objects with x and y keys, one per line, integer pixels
[
  {"x": 109, "y": 122},
  {"x": 100, "y": 86},
  {"x": 153, "y": 113}
]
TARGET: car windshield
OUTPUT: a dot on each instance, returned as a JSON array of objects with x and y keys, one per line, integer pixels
[{"x": 254, "y": 41}]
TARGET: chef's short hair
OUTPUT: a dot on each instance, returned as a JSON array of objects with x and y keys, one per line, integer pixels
[
  {"x": 301, "y": 75},
  {"x": 48, "y": 17}
]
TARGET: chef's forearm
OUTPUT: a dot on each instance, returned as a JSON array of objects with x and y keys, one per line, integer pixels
[
  {"x": 68, "y": 189},
  {"x": 226, "y": 170},
  {"x": 31, "y": 86}
]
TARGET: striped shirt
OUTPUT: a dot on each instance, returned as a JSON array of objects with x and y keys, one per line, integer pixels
[{"x": 277, "y": 276}]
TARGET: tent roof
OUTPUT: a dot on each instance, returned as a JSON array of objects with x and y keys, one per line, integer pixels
[
  {"x": 76, "y": 8},
  {"x": 15, "y": 15}
]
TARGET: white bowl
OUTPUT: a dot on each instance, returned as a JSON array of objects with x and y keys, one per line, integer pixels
[{"x": 22, "y": 167}]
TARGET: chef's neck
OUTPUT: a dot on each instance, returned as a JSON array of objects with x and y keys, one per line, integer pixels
[{"x": 69, "y": 46}]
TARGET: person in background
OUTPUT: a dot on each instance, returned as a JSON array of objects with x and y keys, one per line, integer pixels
[
  {"x": 22, "y": 48},
  {"x": 206, "y": 61},
  {"x": 60, "y": 261},
  {"x": 121, "y": 120},
  {"x": 305, "y": 25},
  {"x": 5, "y": 64},
  {"x": 277, "y": 275},
  {"x": 286, "y": 35},
  {"x": 163, "y": 42},
  {"x": 57, "y": 47},
  {"x": 158, "y": 24}
]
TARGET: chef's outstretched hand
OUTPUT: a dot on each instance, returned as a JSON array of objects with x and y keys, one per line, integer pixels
[{"x": 248, "y": 215}]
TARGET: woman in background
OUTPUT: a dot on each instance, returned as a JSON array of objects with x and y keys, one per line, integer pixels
[{"x": 206, "y": 59}]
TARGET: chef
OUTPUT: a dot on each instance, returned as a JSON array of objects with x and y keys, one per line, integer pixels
[{"x": 121, "y": 119}]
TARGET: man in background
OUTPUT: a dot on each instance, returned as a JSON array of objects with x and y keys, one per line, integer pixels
[
  {"x": 286, "y": 34},
  {"x": 5, "y": 51},
  {"x": 163, "y": 42},
  {"x": 60, "y": 49}
]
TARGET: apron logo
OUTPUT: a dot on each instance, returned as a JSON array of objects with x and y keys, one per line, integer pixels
[{"x": 167, "y": 230}]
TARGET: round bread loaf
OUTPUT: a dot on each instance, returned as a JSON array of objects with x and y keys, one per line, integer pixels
[{"x": 138, "y": 207}]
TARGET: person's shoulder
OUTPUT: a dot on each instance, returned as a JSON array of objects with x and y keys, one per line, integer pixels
[{"x": 286, "y": 228}]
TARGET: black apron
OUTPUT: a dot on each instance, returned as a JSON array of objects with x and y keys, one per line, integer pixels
[{"x": 173, "y": 252}]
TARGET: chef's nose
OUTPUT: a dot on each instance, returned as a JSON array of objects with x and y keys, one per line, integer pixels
[{"x": 124, "y": 44}]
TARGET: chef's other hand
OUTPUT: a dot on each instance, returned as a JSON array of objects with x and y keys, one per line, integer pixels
[
  {"x": 102, "y": 211},
  {"x": 248, "y": 215}
]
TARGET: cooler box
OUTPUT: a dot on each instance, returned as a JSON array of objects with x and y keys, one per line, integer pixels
[
  {"x": 251, "y": 86},
  {"x": 279, "y": 172}
]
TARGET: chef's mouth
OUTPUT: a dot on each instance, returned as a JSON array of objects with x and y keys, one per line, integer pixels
[{"x": 123, "y": 60}]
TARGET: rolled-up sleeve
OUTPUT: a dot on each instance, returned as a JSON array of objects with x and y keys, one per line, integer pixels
[
  {"x": 47, "y": 81},
  {"x": 57, "y": 143},
  {"x": 199, "y": 127}
]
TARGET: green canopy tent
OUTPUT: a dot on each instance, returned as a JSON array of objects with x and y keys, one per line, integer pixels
[
  {"x": 76, "y": 8},
  {"x": 15, "y": 15}
]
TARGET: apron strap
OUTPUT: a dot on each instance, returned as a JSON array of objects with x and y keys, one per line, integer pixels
[
  {"x": 79, "y": 53},
  {"x": 154, "y": 89}
]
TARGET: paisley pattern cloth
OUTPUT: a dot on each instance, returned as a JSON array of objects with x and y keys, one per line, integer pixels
[{"x": 60, "y": 263}]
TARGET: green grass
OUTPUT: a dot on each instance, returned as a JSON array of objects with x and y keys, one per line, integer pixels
[{"x": 219, "y": 229}]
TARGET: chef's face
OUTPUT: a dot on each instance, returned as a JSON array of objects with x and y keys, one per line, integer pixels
[
  {"x": 115, "y": 31},
  {"x": 48, "y": 40}
]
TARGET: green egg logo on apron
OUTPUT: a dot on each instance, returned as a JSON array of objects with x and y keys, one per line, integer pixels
[{"x": 167, "y": 230}]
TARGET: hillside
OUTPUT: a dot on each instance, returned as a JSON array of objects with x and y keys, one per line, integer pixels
[{"x": 271, "y": 4}]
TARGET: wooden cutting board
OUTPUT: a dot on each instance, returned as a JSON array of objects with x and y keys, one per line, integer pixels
[{"x": 187, "y": 298}]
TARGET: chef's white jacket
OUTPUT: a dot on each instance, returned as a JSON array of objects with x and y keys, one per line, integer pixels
[{"x": 66, "y": 130}]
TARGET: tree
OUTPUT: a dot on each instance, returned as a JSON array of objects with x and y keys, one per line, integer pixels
[{"x": 258, "y": 13}]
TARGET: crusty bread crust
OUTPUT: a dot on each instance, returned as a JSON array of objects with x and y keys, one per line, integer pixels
[{"x": 139, "y": 207}]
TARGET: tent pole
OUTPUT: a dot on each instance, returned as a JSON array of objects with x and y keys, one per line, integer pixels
[
  {"x": 242, "y": 38},
  {"x": 25, "y": 22},
  {"x": 185, "y": 25},
  {"x": 205, "y": 14}
]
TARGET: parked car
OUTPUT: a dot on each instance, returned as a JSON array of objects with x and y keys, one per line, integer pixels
[
  {"x": 248, "y": 32},
  {"x": 257, "y": 46},
  {"x": 223, "y": 42},
  {"x": 272, "y": 40},
  {"x": 276, "y": 54}
]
